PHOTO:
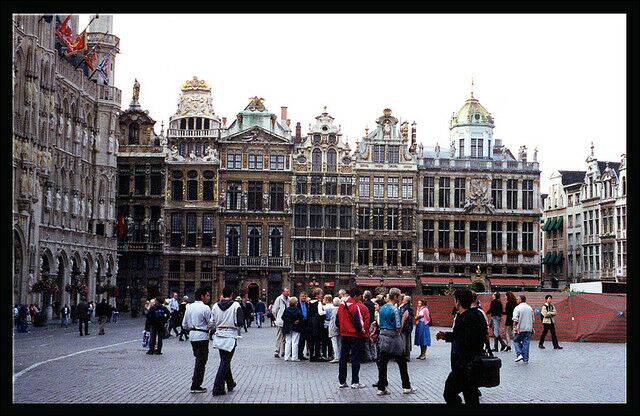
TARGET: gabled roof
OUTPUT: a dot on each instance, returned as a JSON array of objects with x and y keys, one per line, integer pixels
[
  {"x": 602, "y": 166},
  {"x": 253, "y": 132},
  {"x": 572, "y": 176}
]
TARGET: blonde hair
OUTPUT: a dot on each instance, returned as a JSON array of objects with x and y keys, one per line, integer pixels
[
  {"x": 336, "y": 301},
  {"x": 328, "y": 298},
  {"x": 317, "y": 291},
  {"x": 293, "y": 301}
]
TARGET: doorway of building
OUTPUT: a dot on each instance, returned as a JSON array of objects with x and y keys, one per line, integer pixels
[{"x": 253, "y": 292}]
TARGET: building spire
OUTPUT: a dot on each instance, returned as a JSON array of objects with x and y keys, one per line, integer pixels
[
  {"x": 591, "y": 149},
  {"x": 472, "y": 86}
]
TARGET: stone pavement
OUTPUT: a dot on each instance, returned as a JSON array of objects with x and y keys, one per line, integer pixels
[{"x": 56, "y": 365}]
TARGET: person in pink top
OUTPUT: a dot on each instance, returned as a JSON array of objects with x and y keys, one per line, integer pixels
[{"x": 423, "y": 324}]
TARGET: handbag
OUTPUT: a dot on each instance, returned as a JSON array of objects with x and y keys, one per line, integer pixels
[
  {"x": 145, "y": 339},
  {"x": 484, "y": 370},
  {"x": 391, "y": 342}
]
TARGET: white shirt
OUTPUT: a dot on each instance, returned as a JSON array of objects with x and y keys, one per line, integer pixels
[
  {"x": 279, "y": 306},
  {"x": 197, "y": 316},
  {"x": 173, "y": 305},
  {"x": 523, "y": 314}
]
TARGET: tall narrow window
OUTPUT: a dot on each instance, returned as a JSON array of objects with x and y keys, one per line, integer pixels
[
  {"x": 363, "y": 218},
  {"x": 330, "y": 252},
  {"x": 134, "y": 134},
  {"x": 460, "y": 192},
  {"x": 346, "y": 186},
  {"x": 496, "y": 235},
  {"x": 443, "y": 234},
  {"x": 428, "y": 192},
  {"x": 458, "y": 234},
  {"x": 332, "y": 160},
  {"x": 345, "y": 255},
  {"x": 316, "y": 185},
  {"x": 275, "y": 241},
  {"x": 140, "y": 181},
  {"x": 191, "y": 229},
  {"x": 512, "y": 235},
  {"x": 392, "y": 253},
  {"x": 315, "y": 251},
  {"x": 428, "y": 234},
  {"x": 394, "y": 154},
  {"x": 192, "y": 185},
  {"x": 378, "y": 187},
  {"x": 392, "y": 187},
  {"x": 512, "y": 194},
  {"x": 346, "y": 215},
  {"x": 254, "y": 240},
  {"x": 461, "y": 147},
  {"x": 254, "y": 197},
  {"x": 364, "y": 185},
  {"x": 233, "y": 195},
  {"x": 378, "y": 218},
  {"x": 478, "y": 236},
  {"x": 392, "y": 218},
  {"x": 315, "y": 216},
  {"x": 331, "y": 185},
  {"x": 377, "y": 252},
  {"x": 363, "y": 252},
  {"x": 474, "y": 147},
  {"x": 233, "y": 241},
  {"x": 301, "y": 185},
  {"x": 480, "y": 148},
  {"x": 378, "y": 153},
  {"x": 316, "y": 160},
  {"x": 407, "y": 219},
  {"x": 407, "y": 188},
  {"x": 176, "y": 229},
  {"x": 300, "y": 250},
  {"x": 527, "y": 194},
  {"x": 276, "y": 195},
  {"x": 207, "y": 185},
  {"x": 176, "y": 186},
  {"x": 300, "y": 216},
  {"x": 406, "y": 253},
  {"x": 445, "y": 193},
  {"x": 207, "y": 229},
  {"x": 496, "y": 193},
  {"x": 330, "y": 216},
  {"x": 123, "y": 184}
]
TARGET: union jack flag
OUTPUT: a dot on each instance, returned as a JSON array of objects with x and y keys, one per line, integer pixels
[{"x": 104, "y": 68}]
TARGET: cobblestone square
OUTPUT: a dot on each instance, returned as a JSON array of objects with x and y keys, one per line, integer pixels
[{"x": 55, "y": 365}]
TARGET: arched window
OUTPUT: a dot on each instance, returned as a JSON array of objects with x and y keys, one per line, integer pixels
[
  {"x": 254, "y": 241},
  {"x": 275, "y": 241},
  {"x": 207, "y": 185},
  {"x": 332, "y": 160},
  {"x": 176, "y": 186},
  {"x": 316, "y": 160},
  {"x": 134, "y": 133}
]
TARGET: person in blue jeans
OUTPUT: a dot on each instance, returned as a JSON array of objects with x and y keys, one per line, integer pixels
[
  {"x": 261, "y": 309},
  {"x": 522, "y": 328}
]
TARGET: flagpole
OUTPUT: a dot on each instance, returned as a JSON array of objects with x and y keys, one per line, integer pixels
[{"x": 93, "y": 49}]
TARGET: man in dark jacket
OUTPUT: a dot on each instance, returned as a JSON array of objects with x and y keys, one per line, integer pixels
[
  {"x": 407, "y": 328},
  {"x": 303, "y": 305},
  {"x": 158, "y": 316},
  {"x": 82, "y": 313},
  {"x": 369, "y": 347},
  {"x": 103, "y": 310},
  {"x": 248, "y": 309},
  {"x": 181, "y": 312},
  {"x": 261, "y": 310},
  {"x": 467, "y": 340}
]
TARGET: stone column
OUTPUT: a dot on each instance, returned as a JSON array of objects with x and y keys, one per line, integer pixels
[
  {"x": 436, "y": 191},
  {"x": 504, "y": 193}
]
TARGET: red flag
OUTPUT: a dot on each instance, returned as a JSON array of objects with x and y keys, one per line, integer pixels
[
  {"x": 79, "y": 44},
  {"x": 64, "y": 32},
  {"x": 121, "y": 226},
  {"x": 90, "y": 58}
]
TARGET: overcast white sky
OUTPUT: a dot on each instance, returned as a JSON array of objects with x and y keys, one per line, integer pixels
[{"x": 556, "y": 82}]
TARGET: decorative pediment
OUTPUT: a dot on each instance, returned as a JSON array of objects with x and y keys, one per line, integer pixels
[
  {"x": 256, "y": 135},
  {"x": 478, "y": 201}
]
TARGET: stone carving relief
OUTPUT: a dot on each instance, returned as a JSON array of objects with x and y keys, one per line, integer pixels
[{"x": 478, "y": 201}]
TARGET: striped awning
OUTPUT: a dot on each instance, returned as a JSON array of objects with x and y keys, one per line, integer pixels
[
  {"x": 558, "y": 258},
  {"x": 367, "y": 281},
  {"x": 399, "y": 282},
  {"x": 558, "y": 225},
  {"x": 443, "y": 281},
  {"x": 497, "y": 282},
  {"x": 547, "y": 223}
]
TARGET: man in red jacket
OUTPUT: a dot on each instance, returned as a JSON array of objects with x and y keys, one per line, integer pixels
[{"x": 353, "y": 320}]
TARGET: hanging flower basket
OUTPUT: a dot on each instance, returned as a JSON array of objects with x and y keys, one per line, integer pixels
[
  {"x": 444, "y": 250},
  {"x": 498, "y": 252},
  {"x": 430, "y": 250},
  {"x": 528, "y": 253},
  {"x": 459, "y": 251}
]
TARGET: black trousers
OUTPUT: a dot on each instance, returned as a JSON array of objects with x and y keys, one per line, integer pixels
[
  {"x": 304, "y": 337},
  {"x": 174, "y": 322},
  {"x": 157, "y": 332},
  {"x": 546, "y": 328},
  {"x": 84, "y": 321},
  {"x": 458, "y": 382},
  {"x": 383, "y": 361},
  {"x": 224, "y": 372},
  {"x": 315, "y": 343},
  {"x": 327, "y": 348},
  {"x": 201, "y": 352},
  {"x": 183, "y": 333},
  {"x": 355, "y": 346}
]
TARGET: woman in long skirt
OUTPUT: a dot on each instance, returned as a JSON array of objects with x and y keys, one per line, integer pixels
[{"x": 423, "y": 323}]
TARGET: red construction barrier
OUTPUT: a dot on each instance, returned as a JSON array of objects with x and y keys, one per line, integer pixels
[{"x": 592, "y": 317}]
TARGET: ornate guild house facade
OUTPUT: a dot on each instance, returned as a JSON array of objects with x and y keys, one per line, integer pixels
[{"x": 64, "y": 165}]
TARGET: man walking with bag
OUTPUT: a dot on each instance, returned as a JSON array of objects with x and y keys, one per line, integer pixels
[
  {"x": 196, "y": 320},
  {"x": 467, "y": 342},
  {"x": 548, "y": 312},
  {"x": 226, "y": 315},
  {"x": 354, "y": 321}
]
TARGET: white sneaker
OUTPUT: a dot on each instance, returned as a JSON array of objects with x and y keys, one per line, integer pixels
[
  {"x": 286, "y": 359},
  {"x": 382, "y": 392},
  {"x": 409, "y": 391},
  {"x": 519, "y": 358},
  {"x": 239, "y": 337},
  {"x": 343, "y": 385},
  {"x": 335, "y": 360},
  {"x": 358, "y": 386}
]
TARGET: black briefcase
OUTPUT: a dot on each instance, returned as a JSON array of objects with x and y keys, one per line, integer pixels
[{"x": 485, "y": 371}]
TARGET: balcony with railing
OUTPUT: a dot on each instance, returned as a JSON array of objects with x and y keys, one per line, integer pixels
[
  {"x": 140, "y": 246},
  {"x": 478, "y": 257},
  {"x": 253, "y": 262},
  {"x": 109, "y": 95},
  {"x": 206, "y": 276},
  {"x": 173, "y": 275},
  {"x": 478, "y": 164},
  {"x": 193, "y": 133},
  {"x": 512, "y": 258}
]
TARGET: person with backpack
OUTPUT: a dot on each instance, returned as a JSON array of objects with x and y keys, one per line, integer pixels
[
  {"x": 354, "y": 321},
  {"x": 548, "y": 313},
  {"x": 158, "y": 316}
]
